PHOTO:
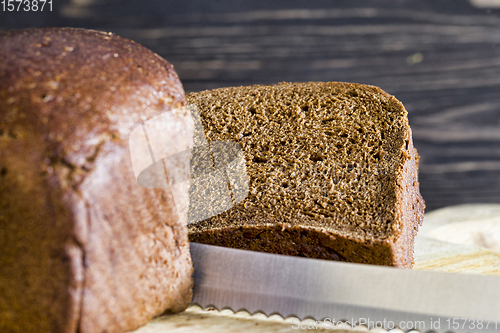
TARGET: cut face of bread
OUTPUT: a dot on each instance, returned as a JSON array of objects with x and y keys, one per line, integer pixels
[
  {"x": 83, "y": 247},
  {"x": 332, "y": 172}
]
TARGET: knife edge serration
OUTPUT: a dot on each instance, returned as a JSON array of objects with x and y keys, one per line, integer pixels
[{"x": 307, "y": 320}]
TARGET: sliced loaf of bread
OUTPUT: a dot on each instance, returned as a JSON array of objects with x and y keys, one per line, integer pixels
[{"x": 332, "y": 172}]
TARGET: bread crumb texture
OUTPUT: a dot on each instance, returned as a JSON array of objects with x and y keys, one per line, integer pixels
[{"x": 332, "y": 171}]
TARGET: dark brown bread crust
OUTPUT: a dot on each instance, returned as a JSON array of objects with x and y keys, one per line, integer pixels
[
  {"x": 354, "y": 195},
  {"x": 83, "y": 248}
]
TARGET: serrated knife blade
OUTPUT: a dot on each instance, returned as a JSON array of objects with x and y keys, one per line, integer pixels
[{"x": 330, "y": 291}]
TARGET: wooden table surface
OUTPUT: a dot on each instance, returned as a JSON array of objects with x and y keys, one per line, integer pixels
[{"x": 440, "y": 58}]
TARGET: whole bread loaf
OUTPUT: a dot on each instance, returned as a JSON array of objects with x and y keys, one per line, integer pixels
[
  {"x": 83, "y": 247},
  {"x": 331, "y": 168}
]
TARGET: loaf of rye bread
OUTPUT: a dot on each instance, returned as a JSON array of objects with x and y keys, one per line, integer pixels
[
  {"x": 331, "y": 168},
  {"x": 83, "y": 247}
]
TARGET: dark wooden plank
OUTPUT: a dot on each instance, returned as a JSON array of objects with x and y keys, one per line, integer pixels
[{"x": 440, "y": 58}]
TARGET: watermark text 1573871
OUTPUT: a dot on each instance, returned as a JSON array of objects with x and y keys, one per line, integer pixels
[{"x": 26, "y": 5}]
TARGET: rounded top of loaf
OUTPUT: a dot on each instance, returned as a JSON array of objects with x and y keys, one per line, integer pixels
[{"x": 74, "y": 88}]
